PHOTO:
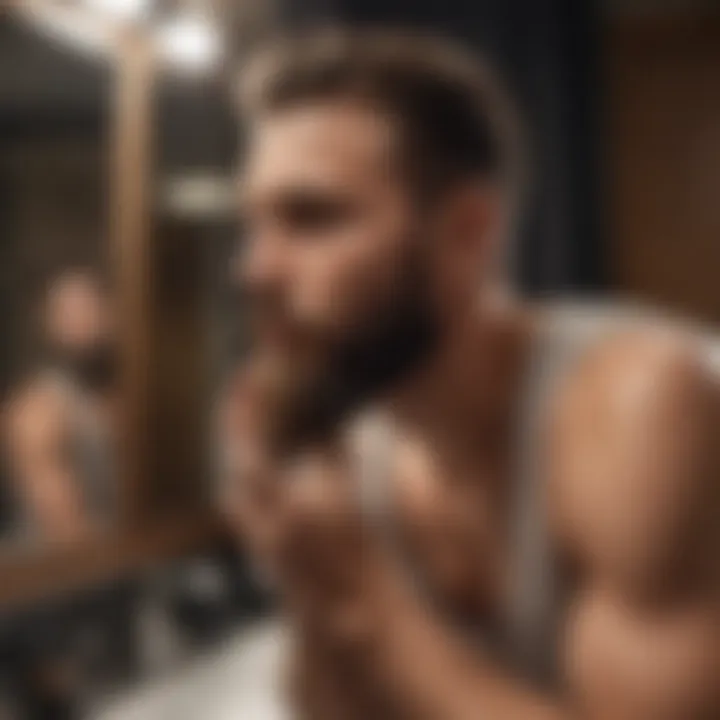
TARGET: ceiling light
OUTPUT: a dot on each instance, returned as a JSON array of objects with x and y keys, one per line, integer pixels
[
  {"x": 189, "y": 42},
  {"x": 121, "y": 9}
]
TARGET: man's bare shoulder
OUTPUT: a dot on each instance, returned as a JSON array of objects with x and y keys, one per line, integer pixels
[
  {"x": 632, "y": 371},
  {"x": 634, "y": 454},
  {"x": 35, "y": 405}
]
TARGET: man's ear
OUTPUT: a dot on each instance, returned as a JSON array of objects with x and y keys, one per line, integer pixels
[
  {"x": 476, "y": 213},
  {"x": 471, "y": 222}
]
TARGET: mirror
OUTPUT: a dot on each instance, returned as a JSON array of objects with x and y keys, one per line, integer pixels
[{"x": 58, "y": 484}]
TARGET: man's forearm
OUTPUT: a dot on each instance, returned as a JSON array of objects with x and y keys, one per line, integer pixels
[{"x": 430, "y": 675}]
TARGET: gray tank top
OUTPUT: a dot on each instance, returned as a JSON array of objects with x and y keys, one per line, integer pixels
[
  {"x": 528, "y": 636},
  {"x": 92, "y": 458},
  {"x": 90, "y": 449}
]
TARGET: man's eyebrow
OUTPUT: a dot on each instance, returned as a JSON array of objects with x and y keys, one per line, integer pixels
[{"x": 248, "y": 197}]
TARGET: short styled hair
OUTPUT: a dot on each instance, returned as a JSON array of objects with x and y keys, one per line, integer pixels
[{"x": 454, "y": 122}]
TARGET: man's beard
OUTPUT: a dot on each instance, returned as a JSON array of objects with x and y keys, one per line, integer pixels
[
  {"x": 392, "y": 339},
  {"x": 93, "y": 368}
]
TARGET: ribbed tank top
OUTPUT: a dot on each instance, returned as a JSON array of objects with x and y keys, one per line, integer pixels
[{"x": 528, "y": 637}]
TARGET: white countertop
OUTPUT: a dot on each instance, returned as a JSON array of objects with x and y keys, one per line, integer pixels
[{"x": 237, "y": 681}]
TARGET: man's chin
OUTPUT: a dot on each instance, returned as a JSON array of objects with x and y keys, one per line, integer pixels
[{"x": 291, "y": 400}]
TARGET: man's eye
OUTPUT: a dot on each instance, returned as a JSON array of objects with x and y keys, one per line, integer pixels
[{"x": 316, "y": 215}]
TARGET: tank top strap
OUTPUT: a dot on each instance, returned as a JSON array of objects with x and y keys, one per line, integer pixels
[
  {"x": 528, "y": 632},
  {"x": 90, "y": 447},
  {"x": 537, "y": 585},
  {"x": 371, "y": 444}
]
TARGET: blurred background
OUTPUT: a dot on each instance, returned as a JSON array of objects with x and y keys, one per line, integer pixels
[{"x": 118, "y": 144}]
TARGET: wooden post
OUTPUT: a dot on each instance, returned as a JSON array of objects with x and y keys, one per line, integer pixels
[{"x": 131, "y": 226}]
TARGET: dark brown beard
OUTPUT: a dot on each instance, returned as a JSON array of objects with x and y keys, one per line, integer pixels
[
  {"x": 390, "y": 342},
  {"x": 95, "y": 369}
]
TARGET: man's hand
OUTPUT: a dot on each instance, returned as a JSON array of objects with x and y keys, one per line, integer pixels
[
  {"x": 332, "y": 562},
  {"x": 248, "y": 487},
  {"x": 301, "y": 521},
  {"x": 301, "y": 516}
]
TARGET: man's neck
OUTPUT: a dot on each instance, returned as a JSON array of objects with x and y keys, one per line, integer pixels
[{"x": 469, "y": 390}]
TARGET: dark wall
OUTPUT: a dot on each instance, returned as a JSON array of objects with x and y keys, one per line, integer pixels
[
  {"x": 54, "y": 121},
  {"x": 45, "y": 84}
]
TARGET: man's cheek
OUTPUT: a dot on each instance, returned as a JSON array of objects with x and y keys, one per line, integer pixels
[
  {"x": 340, "y": 283},
  {"x": 327, "y": 298}
]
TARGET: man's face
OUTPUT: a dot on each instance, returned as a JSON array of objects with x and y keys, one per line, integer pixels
[
  {"x": 79, "y": 327},
  {"x": 337, "y": 261}
]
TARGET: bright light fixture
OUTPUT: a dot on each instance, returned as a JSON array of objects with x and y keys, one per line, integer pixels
[
  {"x": 70, "y": 26},
  {"x": 120, "y": 9},
  {"x": 189, "y": 42}
]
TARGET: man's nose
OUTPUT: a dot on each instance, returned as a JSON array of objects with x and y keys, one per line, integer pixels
[{"x": 261, "y": 264}]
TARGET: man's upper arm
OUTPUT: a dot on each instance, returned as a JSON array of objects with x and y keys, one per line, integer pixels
[
  {"x": 635, "y": 455},
  {"x": 35, "y": 427},
  {"x": 41, "y": 472}
]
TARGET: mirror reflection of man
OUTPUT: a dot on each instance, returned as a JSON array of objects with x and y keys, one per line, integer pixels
[{"x": 59, "y": 422}]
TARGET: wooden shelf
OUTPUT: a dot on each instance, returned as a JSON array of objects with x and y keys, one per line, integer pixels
[{"x": 26, "y": 578}]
